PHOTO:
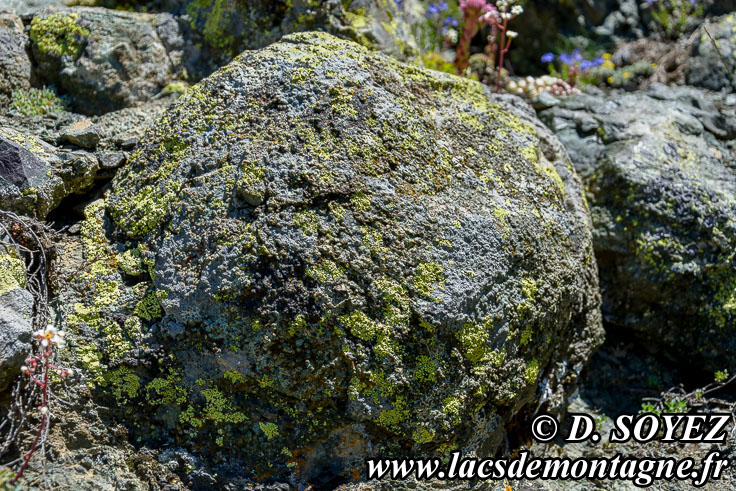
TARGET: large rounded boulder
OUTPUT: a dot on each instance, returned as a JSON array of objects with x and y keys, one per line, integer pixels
[
  {"x": 658, "y": 168},
  {"x": 352, "y": 257}
]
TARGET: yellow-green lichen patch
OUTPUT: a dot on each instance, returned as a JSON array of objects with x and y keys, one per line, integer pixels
[
  {"x": 531, "y": 372},
  {"x": 425, "y": 369},
  {"x": 166, "y": 390},
  {"x": 149, "y": 307},
  {"x": 12, "y": 273},
  {"x": 360, "y": 201},
  {"x": 58, "y": 35},
  {"x": 307, "y": 221},
  {"x": 474, "y": 339},
  {"x": 423, "y": 435},
  {"x": 427, "y": 277},
  {"x": 130, "y": 262},
  {"x": 144, "y": 212},
  {"x": 529, "y": 288},
  {"x": 269, "y": 429},
  {"x": 360, "y": 325},
  {"x": 325, "y": 271},
  {"x": 218, "y": 409},
  {"x": 122, "y": 383}
]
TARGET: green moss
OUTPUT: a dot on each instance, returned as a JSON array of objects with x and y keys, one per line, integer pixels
[
  {"x": 451, "y": 407},
  {"x": 35, "y": 102},
  {"x": 12, "y": 273},
  {"x": 250, "y": 184},
  {"x": 175, "y": 88},
  {"x": 435, "y": 61},
  {"x": 58, "y": 35},
  {"x": 373, "y": 241},
  {"x": 426, "y": 277}
]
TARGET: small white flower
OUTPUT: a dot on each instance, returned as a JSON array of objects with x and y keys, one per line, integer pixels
[
  {"x": 517, "y": 10},
  {"x": 45, "y": 343},
  {"x": 45, "y": 410},
  {"x": 512, "y": 34},
  {"x": 24, "y": 369},
  {"x": 511, "y": 85},
  {"x": 506, "y": 15},
  {"x": 451, "y": 35}
]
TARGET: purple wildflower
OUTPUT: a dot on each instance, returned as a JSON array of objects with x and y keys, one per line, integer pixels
[{"x": 548, "y": 58}]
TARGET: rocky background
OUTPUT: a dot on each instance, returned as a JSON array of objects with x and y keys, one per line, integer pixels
[{"x": 279, "y": 244}]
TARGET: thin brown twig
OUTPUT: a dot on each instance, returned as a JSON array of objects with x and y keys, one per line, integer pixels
[{"x": 723, "y": 60}]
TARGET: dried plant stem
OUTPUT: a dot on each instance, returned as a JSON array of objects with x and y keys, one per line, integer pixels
[{"x": 723, "y": 60}]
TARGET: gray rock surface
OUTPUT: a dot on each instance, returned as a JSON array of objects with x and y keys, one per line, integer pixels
[
  {"x": 83, "y": 134},
  {"x": 707, "y": 68},
  {"x": 371, "y": 258},
  {"x": 15, "y": 67},
  {"x": 16, "y": 308},
  {"x": 106, "y": 59},
  {"x": 658, "y": 170}
]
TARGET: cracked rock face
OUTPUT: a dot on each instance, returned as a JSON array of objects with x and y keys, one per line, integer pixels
[
  {"x": 16, "y": 308},
  {"x": 658, "y": 169},
  {"x": 353, "y": 257}
]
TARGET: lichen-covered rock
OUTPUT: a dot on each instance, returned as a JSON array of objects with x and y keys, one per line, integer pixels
[
  {"x": 36, "y": 176},
  {"x": 658, "y": 169},
  {"x": 16, "y": 308},
  {"x": 709, "y": 68},
  {"x": 15, "y": 67},
  {"x": 344, "y": 256},
  {"x": 106, "y": 59},
  {"x": 230, "y": 26}
]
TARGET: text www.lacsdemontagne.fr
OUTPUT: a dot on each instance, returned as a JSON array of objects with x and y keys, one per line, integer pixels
[{"x": 640, "y": 471}]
